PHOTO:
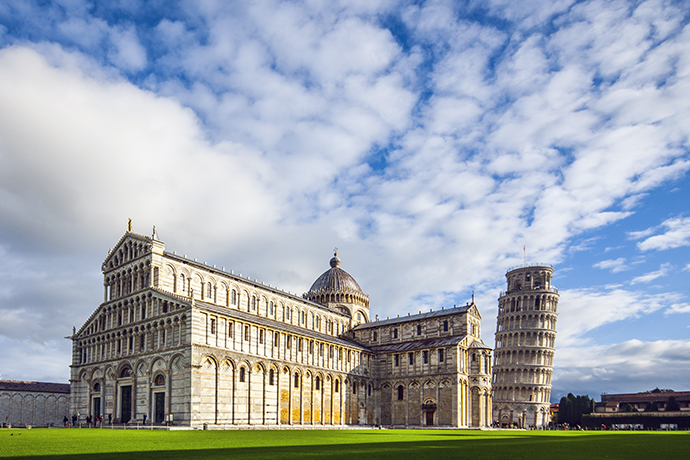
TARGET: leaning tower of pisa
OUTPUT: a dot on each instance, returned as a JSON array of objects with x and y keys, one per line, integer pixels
[{"x": 525, "y": 339}]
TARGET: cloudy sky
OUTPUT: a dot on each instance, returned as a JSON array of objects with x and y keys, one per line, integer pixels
[{"x": 429, "y": 141}]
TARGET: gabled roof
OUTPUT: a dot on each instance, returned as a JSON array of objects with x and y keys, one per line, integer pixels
[
  {"x": 127, "y": 236},
  {"x": 436, "y": 342},
  {"x": 160, "y": 292},
  {"x": 417, "y": 317},
  {"x": 36, "y": 387},
  {"x": 626, "y": 398},
  {"x": 479, "y": 344}
]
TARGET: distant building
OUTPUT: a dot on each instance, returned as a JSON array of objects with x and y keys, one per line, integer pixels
[
  {"x": 179, "y": 340},
  {"x": 641, "y": 411},
  {"x": 525, "y": 341},
  {"x": 33, "y": 403},
  {"x": 640, "y": 402}
]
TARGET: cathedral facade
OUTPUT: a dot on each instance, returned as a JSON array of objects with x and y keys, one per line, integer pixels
[{"x": 179, "y": 342}]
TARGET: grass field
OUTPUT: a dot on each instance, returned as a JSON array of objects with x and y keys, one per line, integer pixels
[{"x": 97, "y": 444}]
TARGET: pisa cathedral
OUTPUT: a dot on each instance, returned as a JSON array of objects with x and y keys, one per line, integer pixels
[{"x": 185, "y": 343}]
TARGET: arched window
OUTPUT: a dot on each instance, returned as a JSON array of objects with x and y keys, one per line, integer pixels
[
  {"x": 209, "y": 289},
  {"x": 270, "y": 309},
  {"x": 419, "y": 329},
  {"x": 401, "y": 392},
  {"x": 126, "y": 372},
  {"x": 445, "y": 326},
  {"x": 354, "y": 388},
  {"x": 96, "y": 386},
  {"x": 234, "y": 297},
  {"x": 242, "y": 374},
  {"x": 160, "y": 380},
  {"x": 253, "y": 303},
  {"x": 317, "y": 383},
  {"x": 395, "y": 333},
  {"x": 271, "y": 377},
  {"x": 296, "y": 380},
  {"x": 336, "y": 385}
]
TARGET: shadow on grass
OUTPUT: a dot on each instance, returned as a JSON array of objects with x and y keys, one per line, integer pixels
[{"x": 528, "y": 447}]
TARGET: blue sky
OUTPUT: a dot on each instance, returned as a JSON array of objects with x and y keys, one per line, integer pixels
[{"x": 429, "y": 141}]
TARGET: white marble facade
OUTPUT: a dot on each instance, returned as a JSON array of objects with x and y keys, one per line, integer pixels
[{"x": 179, "y": 341}]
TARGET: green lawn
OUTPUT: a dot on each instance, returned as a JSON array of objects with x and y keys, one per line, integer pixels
[{"x": 98, "y": 444}]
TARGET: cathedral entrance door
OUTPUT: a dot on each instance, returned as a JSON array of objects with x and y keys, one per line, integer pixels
[
  {"x": 96, "y": 407},
  {"x": 125, "y": 403},
  {"x": 159, "y": 401},
  {"x": 429, "y": 418}
]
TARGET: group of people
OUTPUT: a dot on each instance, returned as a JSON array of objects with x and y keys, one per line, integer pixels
[{"x": 96, "y": 421}]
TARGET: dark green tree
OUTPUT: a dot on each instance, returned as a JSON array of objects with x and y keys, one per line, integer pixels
[
  {"x": 629, "y": 408},
  {"x": 571, "y": 408},
  {"x": 672, "y": 405},
  {"x": 651, "y": 407}
]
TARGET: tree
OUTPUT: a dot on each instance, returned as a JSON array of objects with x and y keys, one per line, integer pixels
[
  {"x": 651, "y": 407},
  {"x": 571, "y": 408},
  {"x": 672, "y": 405},
  {"x": 629, "y": 408}
]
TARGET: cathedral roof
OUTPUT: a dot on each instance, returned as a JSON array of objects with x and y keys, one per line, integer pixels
[
  {"x": 335, "y": 280},
  {"x": 421, "y": 316}
]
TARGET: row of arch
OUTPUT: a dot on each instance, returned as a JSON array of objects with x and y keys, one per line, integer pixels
[
  {"x": 525, "y": 357},
  {"x": 326, "y": 296},
  {"x": 539, "y": 394},
  {"x": 132, "y": 310},
  {"x": 127, "y": 280},
  {"x": 534, "y": 339},
  {"x": 99, "y": 390},
  {"x": 527, "y": 278},
  {"x": 522, "y": 416},
  {"x": 128, "y": 251},
  {"x": 153, "y": 335},
  {"x": 510, "y": 322},
  {"x": 184, "y": 282},
  {"x": 541, "y": 376},
  {"x": 36, "y": 409},
  {"x": 240, "y": 391},
  {"x": 532, "y": 302},
  {"x": 246, "y": 337}
]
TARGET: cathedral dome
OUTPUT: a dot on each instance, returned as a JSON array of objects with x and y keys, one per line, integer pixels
[
  {"x": 335, "y": 280},
  {"x": 337, "y": 286}
]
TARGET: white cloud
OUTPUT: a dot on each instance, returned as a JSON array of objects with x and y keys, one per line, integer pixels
[
  {"x": 583, "y": 310},
  {"x": 107, "y": 149},
  {"x": 651, "y": 276},
  {"x": 615, "y": 265},
  {"x": 127, "y": 53},
  {"x": 254, "y": 147},
  {"x": 676, "y": 234},
  {"x": 631, "y": 366}
]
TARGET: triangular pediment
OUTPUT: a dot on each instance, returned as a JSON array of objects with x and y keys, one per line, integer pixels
[
  {"x": 130, "y": 246},
  {"x": 91, "y": 324},
  {"x": 474, "y": 311}
]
